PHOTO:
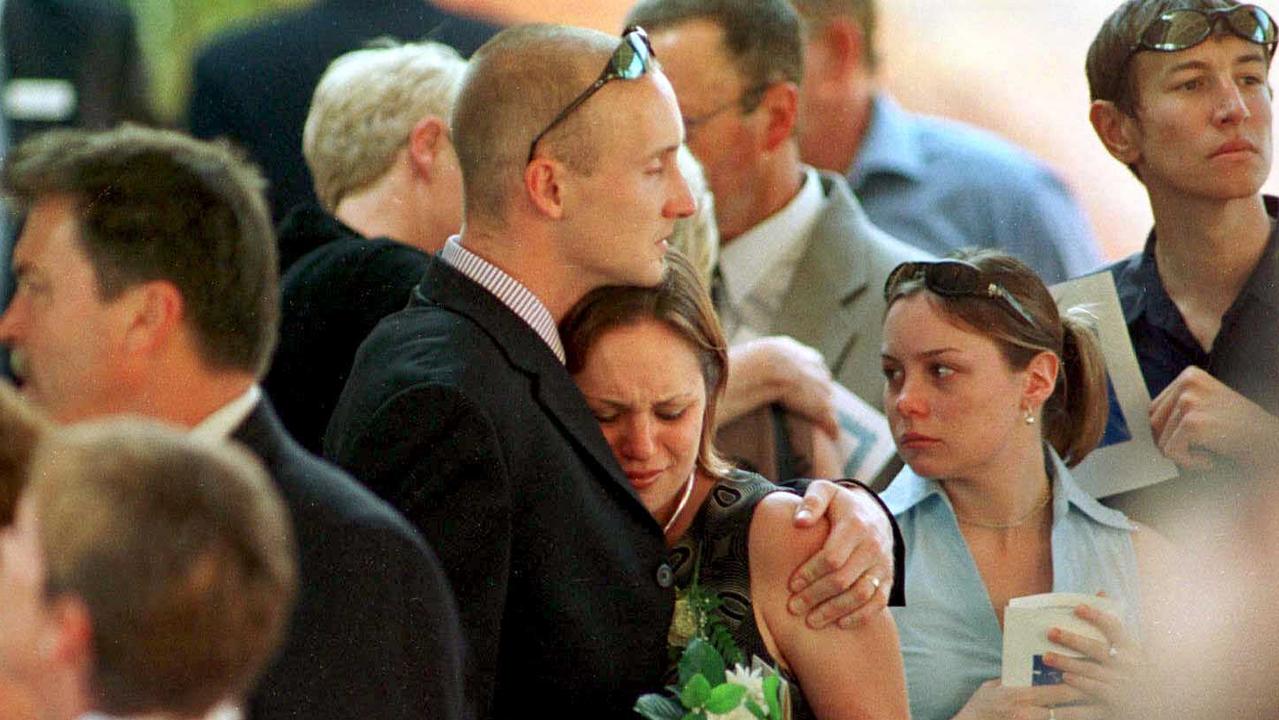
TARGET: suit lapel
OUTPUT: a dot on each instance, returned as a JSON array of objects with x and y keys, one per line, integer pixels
[
  {"x": 261, "y": 433},
  {"x": 554, "y": 390},
  {"x": 828, "y": 279}
]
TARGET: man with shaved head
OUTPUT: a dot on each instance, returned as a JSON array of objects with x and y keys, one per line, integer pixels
[{"x": 460, "y": 411}]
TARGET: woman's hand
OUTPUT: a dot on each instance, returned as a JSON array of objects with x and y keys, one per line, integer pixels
[
  {"x": 1110, "y": 669},
  {"x": 993, "y": 701}
]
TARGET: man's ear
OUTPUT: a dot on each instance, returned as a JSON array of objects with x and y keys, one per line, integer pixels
[
  {"x": 1041, "y": 379},
  {"x": 426, "y": 140},
  {"x": 155, "y": 311},
  {"x": 781, "y": 104},
  {"x": 1117, "y": 130},
  {"x": 836, "y": 52},
  {"x": 542, "y": 184}
]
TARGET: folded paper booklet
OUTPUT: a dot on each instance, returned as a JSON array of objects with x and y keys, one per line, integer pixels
[
  {"x": 1128, "y": 457},
  {"x": 1026, "y": 624},
  {"x": 865, "y": 441}
]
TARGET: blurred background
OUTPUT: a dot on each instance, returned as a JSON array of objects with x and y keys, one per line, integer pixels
[{"x": 1012, "y": 66}]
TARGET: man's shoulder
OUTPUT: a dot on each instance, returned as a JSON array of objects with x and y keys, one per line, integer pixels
[
  {"x": 1133, "y": 279},
  {"x": 852, "y": 225},
  {"x": 228, "y": 50},
  {"x": 438, "y": 351},
  {"x": 958, "y": 144},
  {"x": 357, "y": 264},
  {"x": 963, "y": 160},
  {"x": 321, "y": 492},
  {"x": 320, "y": 496},
  {"x": 434, "y": 335}
]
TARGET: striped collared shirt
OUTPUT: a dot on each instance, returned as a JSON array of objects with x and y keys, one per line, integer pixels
[{"x": 508, "y": 290}]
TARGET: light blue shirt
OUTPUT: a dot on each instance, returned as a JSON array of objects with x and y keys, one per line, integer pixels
[
  {"x": 950, "y": 637},
  {"x": 941, "y": 185}
]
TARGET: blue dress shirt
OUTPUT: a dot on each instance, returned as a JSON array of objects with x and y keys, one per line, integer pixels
[
  {"x": 940, "y": 185},
  {"x": 950, "y": 636},
  {"x": 1244, "y": 356}
]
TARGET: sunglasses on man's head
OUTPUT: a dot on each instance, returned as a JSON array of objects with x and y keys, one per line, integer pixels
[
  {"x": 1182, "y": 29},
  {"x": 953, "y": 278},
  {"x": 632, "y": 58}
]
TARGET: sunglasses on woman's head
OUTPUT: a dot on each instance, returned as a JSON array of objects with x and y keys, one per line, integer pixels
[
  {"x": 632, "y": 58},
  {"x": 1182, "y": 29},
  {"x": 953, "y": 278}
]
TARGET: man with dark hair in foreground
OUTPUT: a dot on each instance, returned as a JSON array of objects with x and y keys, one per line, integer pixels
[{"x": 148, "y": 286}]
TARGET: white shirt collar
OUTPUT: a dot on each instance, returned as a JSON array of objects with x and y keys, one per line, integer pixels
[
  {"x": 773, "y": 246},
  {"x": 225, "y": 711},
  {"x": 509, "y": 291},
  {"x": 222, "y": 422},
  {"x": 750, "y": 256}
]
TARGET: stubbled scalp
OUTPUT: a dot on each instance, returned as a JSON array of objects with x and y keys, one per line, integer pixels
[{"x": 516, "y": 84}]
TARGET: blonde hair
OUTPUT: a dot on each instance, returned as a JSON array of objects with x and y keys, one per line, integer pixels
[
  {"x": 181, "y": 551},
  {"x": 682, "y": 303},
  {"x": 697, "y": 236},
  {"x": 365, "y": 106}
]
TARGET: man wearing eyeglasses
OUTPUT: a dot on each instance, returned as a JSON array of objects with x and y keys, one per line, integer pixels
[
  {"x": 799, "y": 256},
  {"x": 1180, "y": 95},
  {"x": 459, "y": 409}
]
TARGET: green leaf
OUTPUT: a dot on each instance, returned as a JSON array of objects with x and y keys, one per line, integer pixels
[
  {"x": 722, "y": 640},
  {"x": 725, "y": 697},
  {"x": 701, "y": 658},
  {"x": 755, "y": 709},
  {"x": 694, "y": 715},
  {"x": 696, "y": 692},
  {"x": 658, "y": 707},
  {"x": 772, "y": 684}
]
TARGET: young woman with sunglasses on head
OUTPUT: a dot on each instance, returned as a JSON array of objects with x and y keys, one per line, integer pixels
[
  {"x": 992, "y": 395},
  {"x": 652, "y": 364}
]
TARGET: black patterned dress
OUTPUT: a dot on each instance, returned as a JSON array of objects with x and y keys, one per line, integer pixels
[{"x": 722, "y": 531}]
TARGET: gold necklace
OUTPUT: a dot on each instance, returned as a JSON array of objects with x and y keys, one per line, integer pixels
[{"x": 1048, "y": 496}]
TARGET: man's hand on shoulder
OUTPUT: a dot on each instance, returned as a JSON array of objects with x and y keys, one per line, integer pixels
[
  {"x": 1198, "y": 417},
  {"x": 851, "y": 576}
]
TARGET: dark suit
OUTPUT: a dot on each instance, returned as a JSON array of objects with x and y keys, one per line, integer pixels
[
  {"x": 330, "y": 300},
  {"x": 459, "y": 414},
  {"x": 254, "y": 85},
  {"x": 90, "y": 47},
  {"x": 375, "y": 632}
]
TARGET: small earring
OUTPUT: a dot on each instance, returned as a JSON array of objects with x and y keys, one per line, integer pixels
[{"x": 1030, "y": 417}]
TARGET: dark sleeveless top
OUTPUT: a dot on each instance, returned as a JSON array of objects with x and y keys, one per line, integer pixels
[{"x": 722, "y": 528}]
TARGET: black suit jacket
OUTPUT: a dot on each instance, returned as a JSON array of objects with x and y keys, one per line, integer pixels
[
  {"x": 458, "y": 413},
  {"x": 254, "y": 85},
  {"x": 375, "y": 632},
  {"x": 330, "y": 300},
  {"x": 90, "y": 44}
]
